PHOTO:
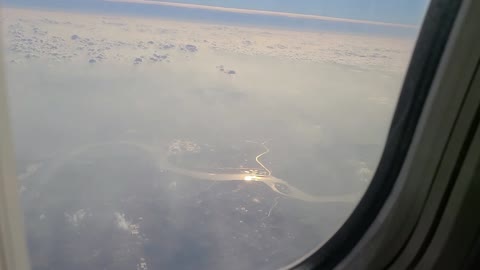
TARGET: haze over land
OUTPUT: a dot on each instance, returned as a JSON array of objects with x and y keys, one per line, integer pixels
[{"x": 130, "y": 134}]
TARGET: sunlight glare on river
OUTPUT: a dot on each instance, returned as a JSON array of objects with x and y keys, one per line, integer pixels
[{"x": 248, "y": 178}]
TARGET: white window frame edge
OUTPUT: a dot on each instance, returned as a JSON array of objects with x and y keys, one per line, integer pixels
[
  {"x": 403, "y": 209},
  {"x": 13, "y": 251}
]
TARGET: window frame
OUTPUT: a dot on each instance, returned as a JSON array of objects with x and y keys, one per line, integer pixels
[
  {"x": 13, "y": 250},
  {"x": 383, "y": 225}
]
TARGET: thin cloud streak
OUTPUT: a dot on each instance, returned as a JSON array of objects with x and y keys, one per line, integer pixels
[{"x": 261, "y": 12}]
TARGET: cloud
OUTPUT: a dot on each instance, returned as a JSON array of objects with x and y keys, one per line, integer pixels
[
  {"x": 122, "y": 223},
  {"x": 261, "y": 12},
  {"x": 31, "y": 169},
  {"x": 364, "y": 172},
  {"x": 76, "y": 218}
]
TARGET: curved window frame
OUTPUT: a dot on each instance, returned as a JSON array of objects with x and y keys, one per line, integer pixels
[{"x": 380, "y": 231}]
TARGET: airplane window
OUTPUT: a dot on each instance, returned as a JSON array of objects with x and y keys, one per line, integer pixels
[{"x": 198, "y": 134}]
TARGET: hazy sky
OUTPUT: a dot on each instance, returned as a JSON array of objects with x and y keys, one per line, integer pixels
[
  {"x": 401, "y": 11},
  {"x": 394, "y": 11}
]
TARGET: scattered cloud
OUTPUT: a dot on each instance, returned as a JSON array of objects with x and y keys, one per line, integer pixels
[
  {"x": 126, "y": 225},
  {"x": 76, "y": 218},
  {"x": 122, "y": 223},
  {"x": 31, "y": 38}
]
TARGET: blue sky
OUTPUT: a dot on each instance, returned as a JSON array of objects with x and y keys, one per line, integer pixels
[{"x": 394, "y": 11}]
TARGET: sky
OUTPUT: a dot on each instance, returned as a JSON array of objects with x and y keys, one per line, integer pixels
[
  {"x": 390, "y": 11},
  {"x": 395, "y": 11}
]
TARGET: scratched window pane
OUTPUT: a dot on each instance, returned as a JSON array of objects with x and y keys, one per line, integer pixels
[{"x": 198, "y": 134}]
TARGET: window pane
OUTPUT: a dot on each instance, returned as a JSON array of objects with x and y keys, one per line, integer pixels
[{"x": 198, "y": 134}]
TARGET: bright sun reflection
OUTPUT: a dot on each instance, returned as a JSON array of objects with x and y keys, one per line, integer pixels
[{"x": 248, "y": 178}]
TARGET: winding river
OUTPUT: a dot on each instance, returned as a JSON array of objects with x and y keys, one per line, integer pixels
[{"x": 278, "y": 185}]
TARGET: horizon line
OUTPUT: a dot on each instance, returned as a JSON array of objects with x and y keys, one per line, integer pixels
[{"x": 262, "y": 12}]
